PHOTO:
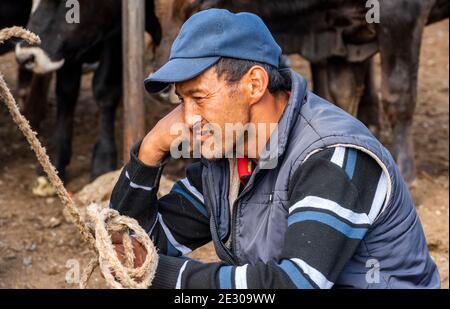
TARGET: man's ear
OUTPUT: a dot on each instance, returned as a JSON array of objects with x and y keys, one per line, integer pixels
[{"x": 256, "y": 82}]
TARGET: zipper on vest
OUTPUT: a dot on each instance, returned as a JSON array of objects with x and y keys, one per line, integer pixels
[
  {"x": 220, "y": 246},
  {"x": 247, "y": 188},
  {"x": 233, "y": 228},
  {"x": 225, "y": 252}
]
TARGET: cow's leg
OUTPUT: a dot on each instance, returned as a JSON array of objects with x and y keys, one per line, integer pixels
[
  {"x": 34, "y": 95},
  {"x": 346, "y": 83},
  {"x": 320, "y": 80},
  {"x": 399, "y": 38},
  {"x": 24, "y": 78},
  {"x": 67, "y": 89},
  {"x": 368, "y": 111},
  {"x": 107, "y": 85}
]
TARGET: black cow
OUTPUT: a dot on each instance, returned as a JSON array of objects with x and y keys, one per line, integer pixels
[
  {"x": 339, "y": 43},
  {"x": 17, "y": 13},
  {"x": 65, "y": 47}
]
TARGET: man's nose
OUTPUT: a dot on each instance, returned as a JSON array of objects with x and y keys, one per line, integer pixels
[{"x": 191, "y": 116}]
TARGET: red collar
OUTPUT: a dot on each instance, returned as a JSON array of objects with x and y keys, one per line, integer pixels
[{"x": 245, "y": 168}]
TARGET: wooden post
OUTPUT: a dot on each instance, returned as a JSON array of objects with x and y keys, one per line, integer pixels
[{"x": 133, "y": 28}]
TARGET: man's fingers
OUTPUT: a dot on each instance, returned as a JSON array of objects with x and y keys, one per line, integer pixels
[
  {"x": 138, "y": 250},
  {"x": 116, "y": 238},
  {"x": 120, "y": 250},
  {"x": 139, "y": 253}
]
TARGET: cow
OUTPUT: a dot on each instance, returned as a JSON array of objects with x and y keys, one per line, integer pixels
[
  {"x": 17, "y": 13},
  {"x": 64, "y": 49},
  {"x": 335, "y": 37}
]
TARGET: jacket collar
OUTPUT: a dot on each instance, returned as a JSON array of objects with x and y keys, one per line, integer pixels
[{"x": 269, "y": 156}]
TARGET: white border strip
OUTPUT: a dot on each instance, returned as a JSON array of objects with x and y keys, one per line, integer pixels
[
  {"x": 338, "y": 156},
  {"x": 192, "y": 189},
  {"x": 135, "y": 185},
  {"x": 240, "y": 277},
  {"x": 183, "y": 249},
  {"x": 321, "y": 203},
  {"x": 314, "y": 274},
  {"x": 180, "y": 274},
  {"x": 380, "y": 195}
]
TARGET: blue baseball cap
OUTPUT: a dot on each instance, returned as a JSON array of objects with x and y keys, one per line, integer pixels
[{"x": 209, "y": 35}]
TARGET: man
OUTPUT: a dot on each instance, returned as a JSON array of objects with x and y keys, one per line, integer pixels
[{"x": 323, "y": 206}]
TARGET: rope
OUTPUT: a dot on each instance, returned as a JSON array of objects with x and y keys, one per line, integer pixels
[{"x": 100, "y": 222}]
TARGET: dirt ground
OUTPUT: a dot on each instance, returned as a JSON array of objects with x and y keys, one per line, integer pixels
[{"x": 38, "y": 247}]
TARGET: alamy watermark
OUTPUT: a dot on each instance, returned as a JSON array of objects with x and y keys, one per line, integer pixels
[
  {"x": 73, "y": 274},
  {"x": 373, "y": 12},
  {"x": 232, "y": 140},
  {"x": 73, "y": 12},
  {"x": 373, "y": 274}
]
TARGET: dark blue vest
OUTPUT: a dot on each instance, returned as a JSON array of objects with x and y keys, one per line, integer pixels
[{"x": 309, "y": 124}]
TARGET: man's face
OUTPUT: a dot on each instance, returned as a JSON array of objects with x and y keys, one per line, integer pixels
[{"x": 209, "y": 102}]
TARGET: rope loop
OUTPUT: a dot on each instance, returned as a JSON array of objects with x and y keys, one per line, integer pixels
[{"x": 100, "y": 223}]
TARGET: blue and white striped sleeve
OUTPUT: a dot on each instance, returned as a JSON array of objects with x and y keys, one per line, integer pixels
[{"x": 166, "y": 220}]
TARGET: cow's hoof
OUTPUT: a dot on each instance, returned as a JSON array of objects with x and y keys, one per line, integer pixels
[
  {"x": 407, "y": 169},
  {"x": 104, "y": 161},
  {"x": 43, "y": 187}
]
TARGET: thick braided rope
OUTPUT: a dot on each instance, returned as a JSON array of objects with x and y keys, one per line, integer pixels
[
  {"x": 107, "y": 221},
  {"x": 18, "y": 32},
  {"x": 100, "y": 222}
]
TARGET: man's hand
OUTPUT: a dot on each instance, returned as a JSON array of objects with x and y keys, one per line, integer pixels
[
  {"x": 139, "y": 251},
  {"x": 158, "y": 141}
]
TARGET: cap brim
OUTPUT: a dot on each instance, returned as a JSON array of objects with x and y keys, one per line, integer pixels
[{"x": 177, "y": 70}]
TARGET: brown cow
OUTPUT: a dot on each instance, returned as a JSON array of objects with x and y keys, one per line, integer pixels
[{"x": 340, "y": 44}]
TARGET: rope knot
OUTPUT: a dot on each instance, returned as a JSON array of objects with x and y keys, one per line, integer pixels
[
  {"x": 100, "y": 223},
  {"x": 103, "y": 222}
]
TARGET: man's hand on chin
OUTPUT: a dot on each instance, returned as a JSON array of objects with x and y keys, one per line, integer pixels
[{"x": 156, "y": 144}]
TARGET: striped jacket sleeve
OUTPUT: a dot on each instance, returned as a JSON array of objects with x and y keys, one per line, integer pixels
[
  {"x": 178, "y": 222},
  {"x": 335, "y": 197}
]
